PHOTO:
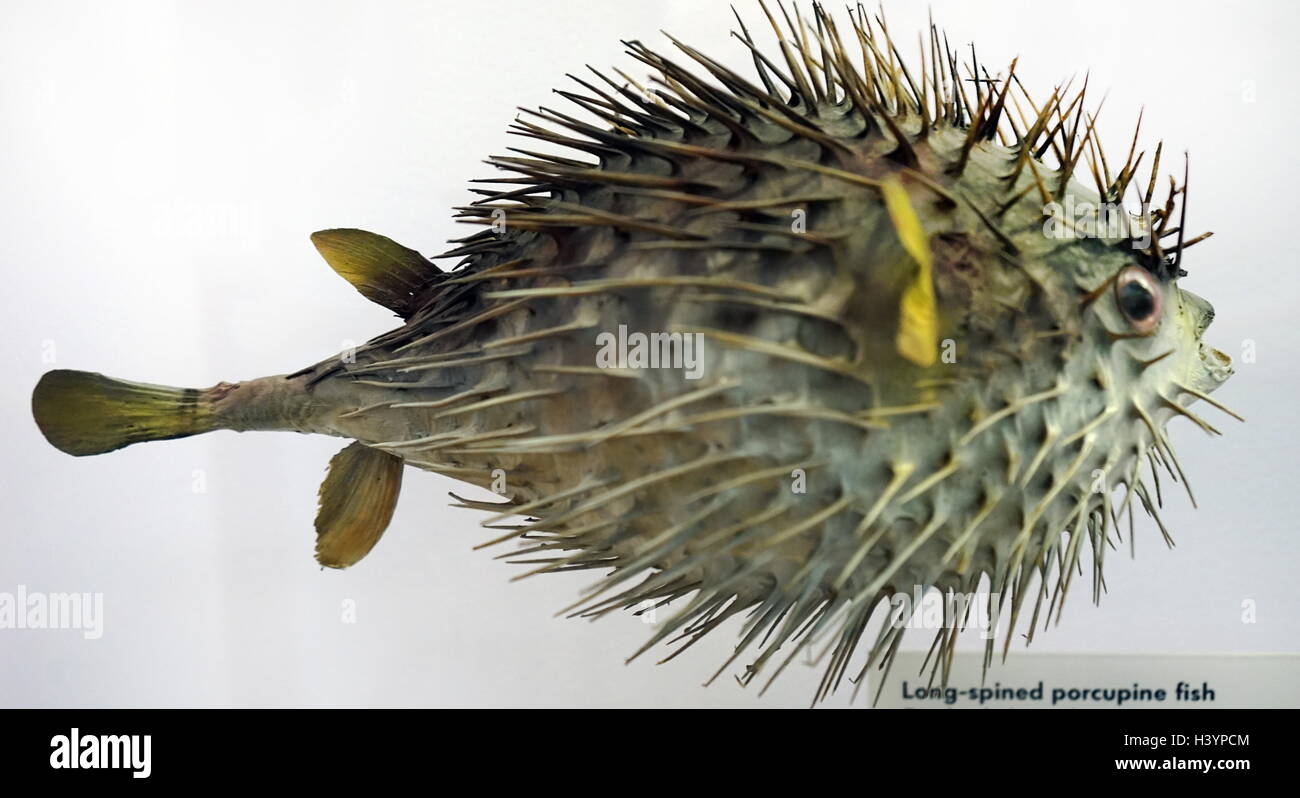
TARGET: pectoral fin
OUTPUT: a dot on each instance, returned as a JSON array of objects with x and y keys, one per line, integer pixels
[
  {"x": 918, "y": 325},
  {"x": 384, "y": 271},
  {"x": 357, "y": 500}
]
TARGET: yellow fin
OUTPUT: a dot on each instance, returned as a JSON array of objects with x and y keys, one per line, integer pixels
[
  {"x": 384, "y": 271},
  {"x": 918, "y": 320},
  {"x": 357, "y": 500},
  {"x": 83, "y": 413}
]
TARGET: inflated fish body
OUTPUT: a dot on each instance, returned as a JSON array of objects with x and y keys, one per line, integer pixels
[{"x": 784, "y": 349}]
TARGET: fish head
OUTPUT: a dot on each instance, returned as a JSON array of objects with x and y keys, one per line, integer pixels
[{"x": 1151, "y": 331}]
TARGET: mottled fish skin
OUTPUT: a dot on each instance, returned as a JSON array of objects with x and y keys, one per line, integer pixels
[{"x": 884, "y": 321}]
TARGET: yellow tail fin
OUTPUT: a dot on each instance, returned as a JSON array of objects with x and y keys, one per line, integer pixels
[{"x": 83, "y": 413}]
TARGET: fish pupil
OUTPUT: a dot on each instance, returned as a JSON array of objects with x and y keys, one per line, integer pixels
[{"x": 1136, "y": 301}]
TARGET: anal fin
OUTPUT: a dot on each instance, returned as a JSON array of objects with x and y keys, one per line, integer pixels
[{"x": 357, "y": 500}]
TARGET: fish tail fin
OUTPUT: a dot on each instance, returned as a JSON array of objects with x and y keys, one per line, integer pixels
[{"x": 83, "y": 413}]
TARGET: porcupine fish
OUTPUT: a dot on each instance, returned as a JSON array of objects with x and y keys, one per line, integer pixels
[{"x": 906, "y": 366}]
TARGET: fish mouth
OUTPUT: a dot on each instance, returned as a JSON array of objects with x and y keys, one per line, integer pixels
[{"x": 1218, "y": 366}]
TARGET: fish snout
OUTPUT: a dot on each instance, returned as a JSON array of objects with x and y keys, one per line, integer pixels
[
  {"x": 1202, "y": 312},
  {"x": 1217, "y": 365}
]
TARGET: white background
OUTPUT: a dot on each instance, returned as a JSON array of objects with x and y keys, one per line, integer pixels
[{"x": 161, "y": 166}]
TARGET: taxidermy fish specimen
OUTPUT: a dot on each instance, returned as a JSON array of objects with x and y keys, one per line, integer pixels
[{"x": 776, "y": 346}]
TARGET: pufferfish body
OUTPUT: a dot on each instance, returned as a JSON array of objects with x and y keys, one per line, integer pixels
[{"x": 779, "y": 347}]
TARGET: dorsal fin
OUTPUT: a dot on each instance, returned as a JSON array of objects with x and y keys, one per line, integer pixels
[
  {"x": 384, "y": 271},
  {"x": 357, "y": 500}
]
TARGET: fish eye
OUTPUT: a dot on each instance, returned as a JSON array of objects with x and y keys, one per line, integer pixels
[{"x": 1138, "y": 295}]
